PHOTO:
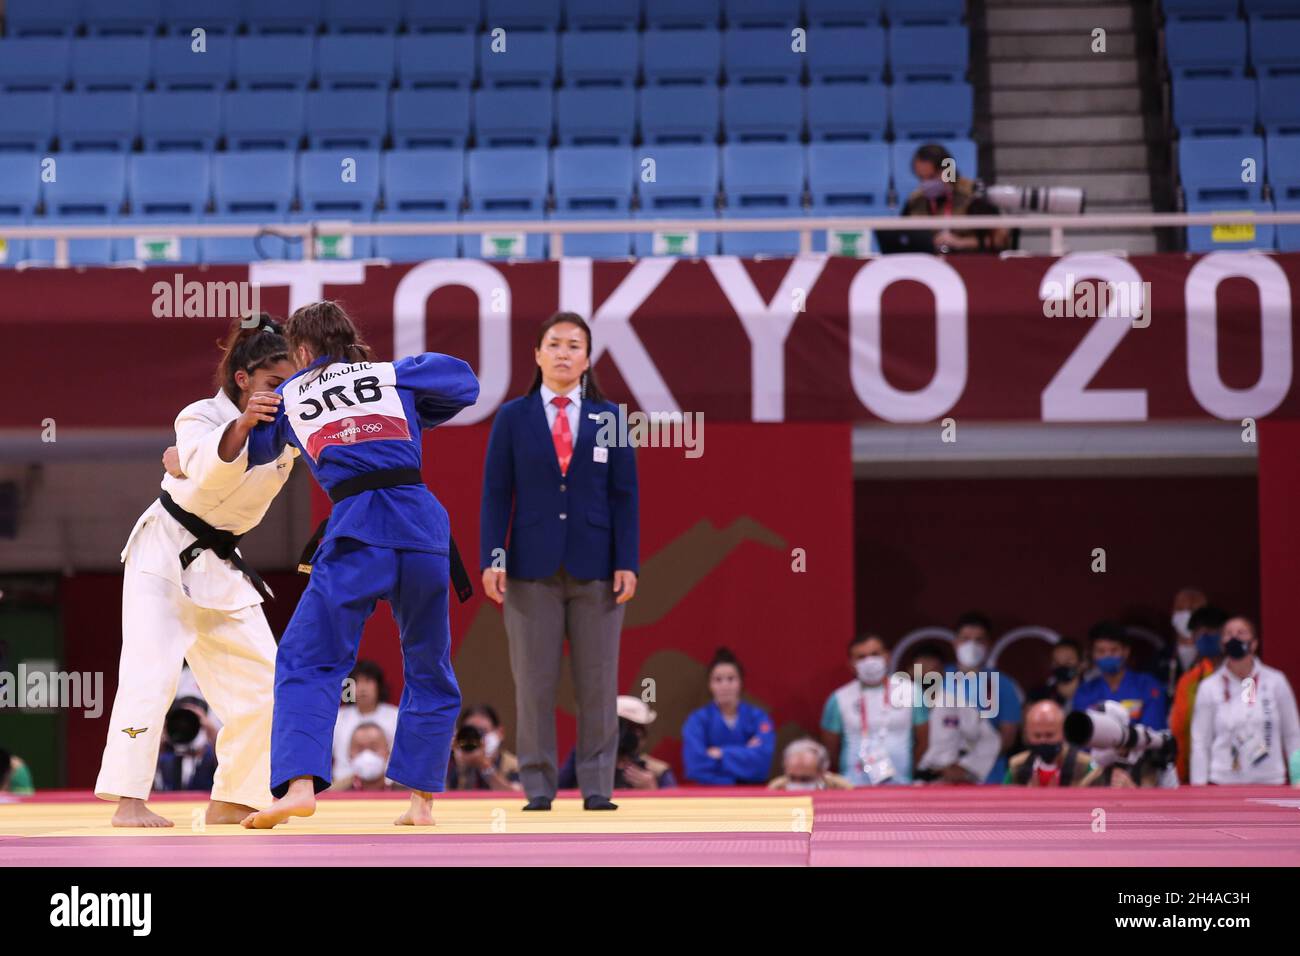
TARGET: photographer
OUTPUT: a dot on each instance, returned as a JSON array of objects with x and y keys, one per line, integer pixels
[
  {"x": 1125, "y": 753},
  {"x": 807, "y": 766},
  {"x": 478, "y": 761},
  {"x": 1048, "y": 761},
  {"x": 633, "y": 770},
  {"x": 187, "y": 759},
  {"x": 941, "y": 191}
]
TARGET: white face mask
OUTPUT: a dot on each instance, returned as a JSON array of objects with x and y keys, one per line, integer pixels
[
  {"x": 871, "y": 670},
  {"x": 802, "y": 785},
  {"x": 971, "y": 654},
  {"x": 491, "y": 741},
  {"x": 1187, "y": 654},
  {"x": 368, "y": 765},
  {"x": 1180, "y": 620}
]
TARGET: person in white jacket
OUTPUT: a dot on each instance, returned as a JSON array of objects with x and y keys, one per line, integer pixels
[
  {"x": 187, "y": 595},
  {"x": 1245, "y": 729}
]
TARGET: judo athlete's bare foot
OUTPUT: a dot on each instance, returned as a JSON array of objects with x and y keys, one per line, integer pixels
[
  {"x": 133, "y": 813},
  {"x": 298, "y": 801},
  {"x": 419, "y": 813},
  {"x": 219, "y": 811}
]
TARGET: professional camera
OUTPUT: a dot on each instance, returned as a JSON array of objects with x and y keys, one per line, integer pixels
[
  {"x": 468, "y": 739},
  {"x": 1058, "y": 200},
  {"x": 1112, "y": 737},
  {"x": 182, "y": 726}
]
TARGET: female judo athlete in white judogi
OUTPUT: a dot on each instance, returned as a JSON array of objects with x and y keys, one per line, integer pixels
[
  {"x": 358, "y": 424},
  {"x": 188, "y": 595}
]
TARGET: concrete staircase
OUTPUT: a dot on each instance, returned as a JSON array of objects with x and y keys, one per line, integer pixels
[{"x": 1054, "y": 113}]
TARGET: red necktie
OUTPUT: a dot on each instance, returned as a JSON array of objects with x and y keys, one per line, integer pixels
[{"x": 561, "y": 435}]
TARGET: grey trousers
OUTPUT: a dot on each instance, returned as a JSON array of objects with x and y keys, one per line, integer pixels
[{"x": 538, "y": 615}]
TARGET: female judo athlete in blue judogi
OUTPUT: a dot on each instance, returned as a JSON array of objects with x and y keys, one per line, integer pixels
[{"x": 357, "y": 423}]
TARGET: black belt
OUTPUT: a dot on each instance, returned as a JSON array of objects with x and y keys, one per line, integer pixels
[
  {"x": 371, "y": 481},
  {"x": 208, "y": 538}
]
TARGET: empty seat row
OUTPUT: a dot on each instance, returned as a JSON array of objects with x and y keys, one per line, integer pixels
[
  {"x": 146, "y": 17},
  {"x": 1236, "y": 106},
  {"x": 1206, "y": 48},
  {"x": 1228, "y": 9},
  {"x": 366, "y": 119},
  {"x": 1228, "y": 174},
  {"x": 855, "y": 54}
]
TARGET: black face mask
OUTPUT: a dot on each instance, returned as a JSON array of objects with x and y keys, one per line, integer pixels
[
  {"x": 1236, "y": 648},
  {"x": 1063, "y": 675},
  {"x": 1047, "y": 753}
]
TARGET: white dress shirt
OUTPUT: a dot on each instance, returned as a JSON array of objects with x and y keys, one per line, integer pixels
[
  {"x": 1250, "y": 720},
  {"x": 573, "y": 409}
]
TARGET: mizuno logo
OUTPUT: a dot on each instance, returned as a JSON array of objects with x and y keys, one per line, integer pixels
[{"x": 134, "y": 732}]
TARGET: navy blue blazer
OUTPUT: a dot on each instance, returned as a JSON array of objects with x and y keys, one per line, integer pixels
[{"x": 585, "y": 522}]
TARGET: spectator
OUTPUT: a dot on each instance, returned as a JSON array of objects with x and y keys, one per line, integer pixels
[
  {"x": 187, "y": 759},
  {"x": 806, "y": 765},
  {"x": 1172, "y": 663},
  {"x": 868, "y": 721},
  {"x": 1245, "y": 729},
  {"x": 727, "y": 741},
  {"x": 942, "y": 191},
  {"x": 1067, "y": 674},
  {"x": 15, "y": 776},
  {"x": 368, "y": 752},
  {"x": 1206, "y": 625},
  {"x": 478, "y": 761},
  {"x": 634, "y": 769},
  {"x": 1141, "y": 694},
  {"x": 929, "y": 658},
  {"x": 969, "y": 737},
  {"x": 1048, "y": 761},
  {"x": 370, "y": 694}
]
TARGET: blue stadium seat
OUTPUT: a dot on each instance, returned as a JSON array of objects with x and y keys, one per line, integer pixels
[
  {"x": 918, "y": 12},
  {"x": 214, "y": 17},
  {"x": 761, "y": 56},
  {"x": 442, "y": 16},
  {"x": 1279, "y": 105},
  {"x": 1206, "y": 48},
  {"x": 274, "y": 62},
  {"x": 1284, "y": 9},
  {"x": 1212, "y": 107},
  {"x": 42, "y": 18},
  {"x": 176, "y": 66},
  {"x": 347, "y": 119},
  {"x": 513, "y": 118},
  {"x": 151, "y": 245},
  {"x": 122, "y": 17},
  {"x": 602, "y": 15},
  {"x": 594, "y": 183},
  {"x": 599, "y": 58},
  {"x": 34, "y": 65},
  {"x": 231, "y": 250},
  {"x": 372, "y": 16},
  {"x": 97, "y": 122},
  {"x": 12, "y": 250},
  {"x": 679, "y": 115},
  {"x": 1275, "y": 45},
  {"x": 521, "y": 14},
  {"x": 111, "y": 64},
  {"x": 435, "y": 60},
  {"x": 88, "y": 190},
  {"x": 166, "y": 188},
  {"x": 846, "y": 55},
  {"x": 762, "y": 114},
  {"x": 274, "y": 119},
  {"x": 282, "y": 16},
  {"x": 188, "y": 120},
  {"x": 762, "y": 180},
  {"x": 751, "y": 14},
  {"x": 848, "y": 179},
  {"x": 1284, "y": 175},
  {"x": 430, "y": 119},
  {"x": 421, "y": 185},
  {"x": 596, "y": 116},
  {"x": 327, "y": 196},
  {"x": 346, "y": 62},
  {"x": 20, "y": 186},
  {"x": 250, "y": 187},
  {"x": 1200, "y": 9},
  {"x": 27, "y": 122},
  {"x": 847, "y": 112},
  {"x": 964, "y": 152},
  {"x": 681, "y": 56},
  {"x": 685, "y": 186},
  {"x": 843, "y": 13},
  {"x": 682, "y": 14},
  {"x": 528, "y": 60},
  {"x": 507, "y": 184},
  {"x": 927, "y": 54},
  {"x": 1211, "y": 169},
  {"x": 931, "y": 111},
  {"x": 1205, "y": 239}
]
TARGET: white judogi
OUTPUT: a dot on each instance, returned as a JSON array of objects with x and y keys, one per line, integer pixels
[
  {"x": 1244, "y": 733},
  {"x": 209, "y": 614}
]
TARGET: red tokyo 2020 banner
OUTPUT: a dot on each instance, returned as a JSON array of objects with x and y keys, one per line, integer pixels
[{"x": 906, "y": 338}]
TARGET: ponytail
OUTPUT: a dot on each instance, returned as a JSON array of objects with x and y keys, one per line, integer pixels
[{"x": 247, "y": 348}]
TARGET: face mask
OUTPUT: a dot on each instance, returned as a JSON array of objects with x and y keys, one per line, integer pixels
[
  {"x": 1180, "y": 620},
  {"x": 1063, "y": 675},
  {"x": 933, "y": 188},
  {"x": 871, "y": 670},
  {"x": 368, "y": 765},
  {"x": 491, "y": 741},
  {"x": 1187, "y": 654},
  {"x": 1209, "y": 644},
  {"x": 1110, "y": 665},
  {"x": 971, "y": 654},
  {"x": 1047, "y": 753},
  {"x": 1236, "y": 648},
  {"x": 802, "y": 785}
]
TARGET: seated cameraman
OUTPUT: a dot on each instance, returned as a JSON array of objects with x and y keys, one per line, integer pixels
[
  {"x": 187, "y": 759},
  {"x": 806, "y": 765},
  {"x": 368, "y": 754},
  {"x": 1124, "y": 751},
  {"x": 941, "y": 191},
  {"x": 478, "y": 761},
  {"x": 1048, "y": 761},
  {"x": 633, "y": 770}
]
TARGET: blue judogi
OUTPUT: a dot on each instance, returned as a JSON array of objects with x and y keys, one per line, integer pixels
[
  {"x": 349, "y": 419},
  {"x": 739, "y": 763}
]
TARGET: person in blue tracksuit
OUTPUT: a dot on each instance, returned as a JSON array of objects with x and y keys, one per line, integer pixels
[
  {"x": 357, "y": 423},
  {"x": 727, "y": 741}
]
